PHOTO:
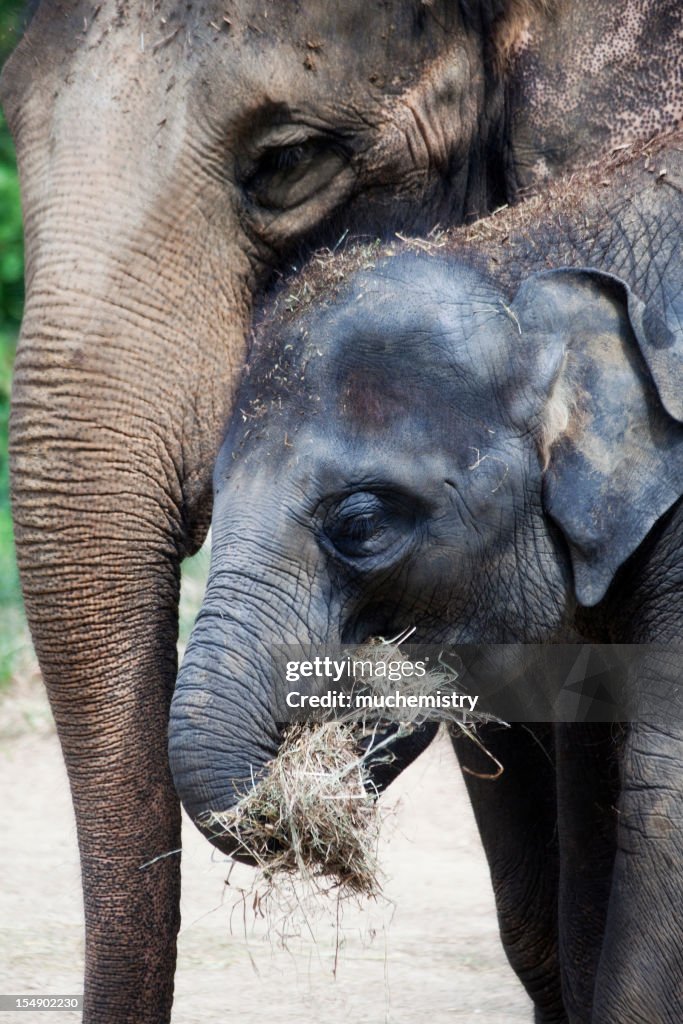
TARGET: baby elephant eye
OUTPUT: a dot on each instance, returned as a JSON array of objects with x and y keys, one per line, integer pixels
[{"x": 360, "y": 525}]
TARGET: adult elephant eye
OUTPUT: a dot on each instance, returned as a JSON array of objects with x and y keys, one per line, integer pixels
[
  {"x": 364, "y": 524},
  {"x": 285, "y": 176}
]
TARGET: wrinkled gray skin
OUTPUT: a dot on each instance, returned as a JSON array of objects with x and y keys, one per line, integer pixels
[
  {"x": 172, "y": 155},
  {"x": 486, "y": 457}
]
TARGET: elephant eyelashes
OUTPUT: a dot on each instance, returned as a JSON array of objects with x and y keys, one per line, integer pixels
[
  {"x": 288, "y": 157},
  {"x": 285, "y": 176}
]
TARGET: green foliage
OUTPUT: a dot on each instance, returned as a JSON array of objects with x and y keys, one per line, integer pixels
[
  {"x": 11, "y": 302},
  {"x": 13, "y": 637}
]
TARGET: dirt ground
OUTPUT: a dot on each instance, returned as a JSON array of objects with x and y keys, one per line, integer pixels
[{"x": 429, "y": 949}]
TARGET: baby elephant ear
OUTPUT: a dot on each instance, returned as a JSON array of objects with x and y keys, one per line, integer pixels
[{"x": 611, "y": 430}]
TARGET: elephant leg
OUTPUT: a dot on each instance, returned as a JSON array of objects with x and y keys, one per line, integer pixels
[
  {"x": 587, "y": 758},
  {"x": 640, "y": 976},
  {"x": 517, "y": 819}
]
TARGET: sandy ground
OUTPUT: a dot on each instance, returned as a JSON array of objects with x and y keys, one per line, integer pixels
[{"x": 430, "y": 949}]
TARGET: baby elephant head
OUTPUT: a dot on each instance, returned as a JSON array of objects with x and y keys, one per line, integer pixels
[{"x": 423, "y": 451}]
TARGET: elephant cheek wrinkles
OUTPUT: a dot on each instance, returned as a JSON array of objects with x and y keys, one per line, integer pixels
[{"x": 198, "y": 706}]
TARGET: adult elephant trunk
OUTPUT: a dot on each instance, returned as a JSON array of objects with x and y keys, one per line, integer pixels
[
  {"x": 110, "y": 476},
  {"x": 137, "y": 306}
]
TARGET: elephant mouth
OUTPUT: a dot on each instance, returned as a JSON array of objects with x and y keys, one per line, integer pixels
[
  {"x": 387, "y": 758},
  {"x": 221, "y": 829}
]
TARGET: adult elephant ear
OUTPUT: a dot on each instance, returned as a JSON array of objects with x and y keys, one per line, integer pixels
[{"x": 610, "y": 422}]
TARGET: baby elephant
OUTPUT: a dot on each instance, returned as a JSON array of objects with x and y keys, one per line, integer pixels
[{"x": 492, "y": 452}]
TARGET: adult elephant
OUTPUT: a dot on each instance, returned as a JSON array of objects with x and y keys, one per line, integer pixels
[
  {"x": 171, "y": 155},
  {"x": 488, "y": 447}
]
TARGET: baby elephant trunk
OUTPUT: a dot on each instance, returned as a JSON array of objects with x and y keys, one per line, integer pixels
[{"x": 229, "y": 713}]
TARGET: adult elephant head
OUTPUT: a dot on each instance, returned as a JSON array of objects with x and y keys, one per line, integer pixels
[{"x": 171, "y": 155}]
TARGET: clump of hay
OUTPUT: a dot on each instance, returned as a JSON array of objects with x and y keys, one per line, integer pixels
[
  {"x": 425, "y": 689},
  {"x": 314, "y": 811}
]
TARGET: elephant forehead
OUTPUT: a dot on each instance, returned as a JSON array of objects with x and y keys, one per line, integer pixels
[
  {"x": 413, "y": 292},
  {"x": 412, "y": 327},
  {"x": 405, "y": 305},
  {"x": 280, "y": 52},
  {"x": 369, "y": 401},
  {"x": 412, "y": 335},
  {"x": 301, "y": 40}
]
